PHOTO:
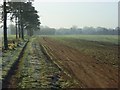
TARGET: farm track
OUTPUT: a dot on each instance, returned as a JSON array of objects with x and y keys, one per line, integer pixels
[
  {"x": 35, "y": 70},
  {"x": 88, "y": 71}
]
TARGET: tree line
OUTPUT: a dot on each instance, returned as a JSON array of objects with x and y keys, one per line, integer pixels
[
  {"x": 78, "y": 31},
  {"x": 23, "y": 14},
  {"x": 88, "y": 31}
]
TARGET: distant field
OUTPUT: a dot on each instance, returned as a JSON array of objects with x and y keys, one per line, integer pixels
[
  {"x": 101, "y": 38},
  {"x": 103, "y": 48}
]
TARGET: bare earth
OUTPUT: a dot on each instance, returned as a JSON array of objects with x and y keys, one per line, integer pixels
[{"x": 89, "y": 72}]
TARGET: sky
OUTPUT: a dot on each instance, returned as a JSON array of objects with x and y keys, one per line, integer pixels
[
  {"x": 58, "y": 14},
  {"x": 81, "y": 13}
]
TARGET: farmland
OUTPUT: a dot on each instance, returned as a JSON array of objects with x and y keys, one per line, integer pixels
[
  {"x": 82, "y": 61},
  {"x": 102, "y": 47},
  {"x": 52, "y": 45}
]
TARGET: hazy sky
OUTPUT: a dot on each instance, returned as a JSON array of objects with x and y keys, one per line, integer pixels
[{"x": 67, "y": 14}]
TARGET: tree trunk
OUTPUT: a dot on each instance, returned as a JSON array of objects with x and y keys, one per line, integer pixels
[
  {"x": 19, "y": 30},
  {"x": 16, "y": 28},
  {"x": 22, "y": 31},
  {"x": 5, "y": 26},
  {"x": 21, "y": 23}
]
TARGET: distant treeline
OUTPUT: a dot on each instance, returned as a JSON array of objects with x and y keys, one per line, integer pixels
[
  {"x": 76, "y": 31},
  {"x": 87, "y": 31}
]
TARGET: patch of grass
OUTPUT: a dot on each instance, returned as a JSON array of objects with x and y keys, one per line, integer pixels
[{"x": 9, "y": 57}]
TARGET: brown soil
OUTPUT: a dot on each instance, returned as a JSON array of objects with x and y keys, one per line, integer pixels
[{"x": 89, "y": 72}]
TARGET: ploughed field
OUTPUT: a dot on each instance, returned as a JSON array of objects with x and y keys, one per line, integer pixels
[
  {"x": 92, "y": 63},
  {"x": 62, "y": 62}
]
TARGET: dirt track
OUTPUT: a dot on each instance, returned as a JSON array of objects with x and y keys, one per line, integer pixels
[
  {"x": 35, "y": 70},
  {"x": 88, "y": 71}
]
